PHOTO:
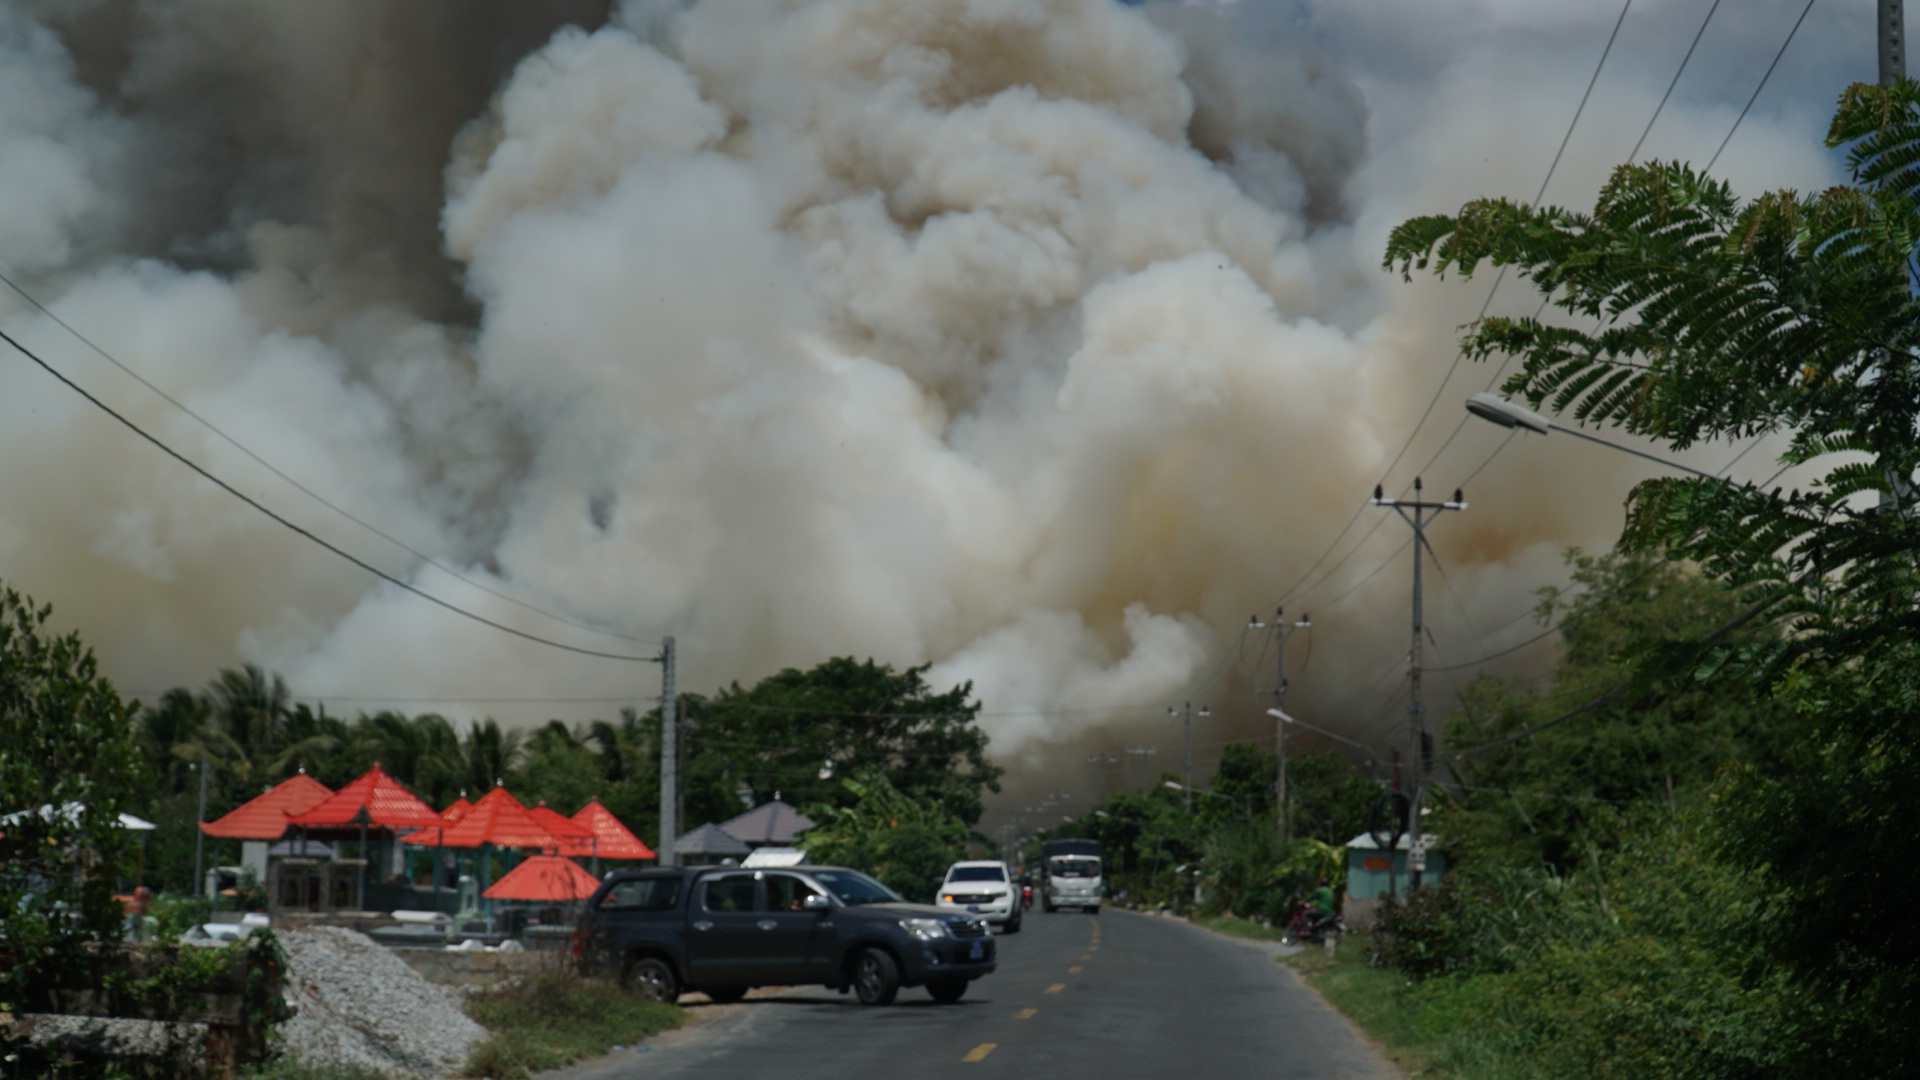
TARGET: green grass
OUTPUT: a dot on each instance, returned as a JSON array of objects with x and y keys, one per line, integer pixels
[
  {"x": 555, "y": 1019},
  {"x": 1439, "y": 1028},
  {"x": 1240, "y": 928}
]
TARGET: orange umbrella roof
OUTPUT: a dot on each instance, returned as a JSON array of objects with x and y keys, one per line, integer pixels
[
  {"x": 544, "y": 877},
  {"x": 498, "y": 819},
  {"x": 613, "y": 839},
  {"x": 264, "y": 817},
  {"x": 384, "y": 799}
]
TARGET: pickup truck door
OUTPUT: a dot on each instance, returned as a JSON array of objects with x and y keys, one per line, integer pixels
[
  {"x": 725, "y": 945},
  {"x": 797, "y": 941}
]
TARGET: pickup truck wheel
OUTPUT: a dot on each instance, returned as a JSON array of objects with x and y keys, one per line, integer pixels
[
  {"x": 1012, "y": 927},
  {"x": 652, "y": 978},
  {"x": 876, "y": 978},
  {"x": 947, "y": 991},
  {"x": 725, "y": 995},
  {"x": 1046, "y": 906}
]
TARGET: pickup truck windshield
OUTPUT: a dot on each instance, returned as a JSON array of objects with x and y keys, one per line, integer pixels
[
  {"x": 1075, "y": 868},
  {"x": 977, "y": 873},
  {"x": 855, "y": 889}
]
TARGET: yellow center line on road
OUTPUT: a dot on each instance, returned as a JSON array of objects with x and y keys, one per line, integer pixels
[
  {"x": 1089, "y": 956},
  {"x": 979, "y": 1053},
  {"x": 1075, "y": 969},
  {"x": 1056, "y": 988},
  {"x": 1025, "y": 1014}
]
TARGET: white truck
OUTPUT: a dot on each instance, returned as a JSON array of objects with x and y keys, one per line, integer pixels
[{"x": 1073, "y": 876}]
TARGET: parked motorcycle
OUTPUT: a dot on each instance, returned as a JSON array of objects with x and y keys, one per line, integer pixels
[{"x": 1310, "y": 926}]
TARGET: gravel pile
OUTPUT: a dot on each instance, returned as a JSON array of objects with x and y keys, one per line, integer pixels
[{"x": 360, "y": 1005}]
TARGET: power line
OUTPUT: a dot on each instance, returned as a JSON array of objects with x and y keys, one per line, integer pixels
[
  {"x": 1697, "y": 35},
  {"x": 342, "y": 553},
  {"x": 1763, "y": 84},
  {"x": 1440, "y": 390},
  {"x": 297, "y": 485}
]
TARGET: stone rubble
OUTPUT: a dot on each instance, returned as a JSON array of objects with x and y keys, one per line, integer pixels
[{"x": 359, "y": 1005}]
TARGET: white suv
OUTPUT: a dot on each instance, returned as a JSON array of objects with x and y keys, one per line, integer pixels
[{"x": 984, "y": 889}]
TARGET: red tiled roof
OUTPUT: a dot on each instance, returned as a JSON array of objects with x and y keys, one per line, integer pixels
[
  {"x": 456, "y": 809},
  {"x": 264, "y": 817},
  {"x": 498, "y": 819},
  {"x": 614, "y": 841},
  {"x": 386, "y": 802},
  {"x": 571, "y": 836},
  {"x": 544, "y": 877}
]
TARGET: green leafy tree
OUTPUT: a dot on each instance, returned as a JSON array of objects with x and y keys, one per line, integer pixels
[
  {"x": 1547, "y": 797},
  {"x": 1330, "y": 796},
  {"x": 796, "y": 732},
  {"x": 1792, "y": 314},
  {"x": 66, "y": 745},
  {"x": 905, "y": 841}
]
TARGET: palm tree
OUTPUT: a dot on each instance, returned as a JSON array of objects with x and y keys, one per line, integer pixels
[{"x": 487, "y": 755}]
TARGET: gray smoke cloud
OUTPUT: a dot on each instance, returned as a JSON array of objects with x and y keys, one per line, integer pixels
[{"x": 1039, "y": 340}]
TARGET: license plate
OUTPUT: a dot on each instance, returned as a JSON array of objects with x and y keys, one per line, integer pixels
[{"x": 976, "y": 950}]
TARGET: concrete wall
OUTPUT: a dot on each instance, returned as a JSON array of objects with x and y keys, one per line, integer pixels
[{"x": 450, "y": 967}]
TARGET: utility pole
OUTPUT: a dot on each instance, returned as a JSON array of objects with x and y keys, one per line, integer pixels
[
  {"x": 1102, "y": 761},
  {"x": 669, "y": 755},
  {"x": 1186, "y": 715},
  {"x": 1893, "y": 41},
  {"x": 200, "y": 835},
  {"x": 1142, "y": 752},
  {"x": 1419, "y": 515},
  {"x": 1281, "y": 628}
]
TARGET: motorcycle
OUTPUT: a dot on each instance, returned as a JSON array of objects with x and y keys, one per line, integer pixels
[
  {"x": 1310, "y": 926},
  {"x": 1026, "y": 897}
]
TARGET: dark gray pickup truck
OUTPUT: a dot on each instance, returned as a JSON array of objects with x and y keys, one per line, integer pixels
[{"x": 723, "y": 930}]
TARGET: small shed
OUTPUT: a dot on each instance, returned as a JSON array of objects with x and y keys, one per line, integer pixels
[{"x": 1373, "y": 873}]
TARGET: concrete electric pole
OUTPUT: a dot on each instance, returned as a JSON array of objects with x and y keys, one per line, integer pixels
[
  {"x": 1281, "y": 628},
  {"x": 1419, "y": 515},
  {"x": 669, "y": 755},
  {"x": 1102, "y": 761},
  {"x": 1142, "y": 752},
  {"x": 1185, "y": 715},
  {"x": 1893, "y": 41}
]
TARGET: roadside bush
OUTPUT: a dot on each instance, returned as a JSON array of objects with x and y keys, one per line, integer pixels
[
  {"x": 1474, "y": 922},
  {"x": 555, "y": 1018}
]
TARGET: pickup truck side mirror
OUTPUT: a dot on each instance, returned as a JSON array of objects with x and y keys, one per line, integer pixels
[{"x": 815, "y": 902}]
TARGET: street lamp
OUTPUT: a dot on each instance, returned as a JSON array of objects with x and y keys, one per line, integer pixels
[
  {"x": 1284, "y": 718},
  {"x": 1511, "y": 414},
  {"x": 1246, "y": 806}
]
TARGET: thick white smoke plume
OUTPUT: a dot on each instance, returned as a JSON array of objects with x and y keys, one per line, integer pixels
[{"x": 1039, "y": 340}]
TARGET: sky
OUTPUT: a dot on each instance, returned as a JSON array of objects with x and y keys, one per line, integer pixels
[{"x": 1042, "y": 342}]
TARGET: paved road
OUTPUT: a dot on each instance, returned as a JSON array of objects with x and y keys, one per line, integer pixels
[{"x": 1116, "y": 995}]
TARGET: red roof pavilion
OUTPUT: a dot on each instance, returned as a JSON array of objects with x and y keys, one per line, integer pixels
[
  {"x": 264, "y": 817},
  {"x": 386, "y": 802},
  {"x": 547, "y": 878},
  {"x": 457, "y": 809},
  {"x": 565, "y": 830},
  {"x": 498, "y": 819},
  {"x": 615, "y": 842}
]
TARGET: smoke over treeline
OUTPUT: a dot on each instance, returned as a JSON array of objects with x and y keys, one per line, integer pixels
[{"x": 1040, "y": 340}]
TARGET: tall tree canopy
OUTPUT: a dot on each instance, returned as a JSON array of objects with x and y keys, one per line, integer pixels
[
  {"x": 1792, "y": 314},
  {"x": 797, "y": 733}
]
